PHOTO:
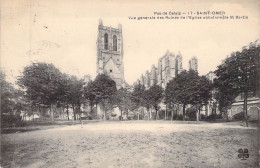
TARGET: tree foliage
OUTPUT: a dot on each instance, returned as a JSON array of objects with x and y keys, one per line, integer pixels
[
  {"x": 201, "y": 91},
  {"x": 89, "y": 95},
  {"x": 43, "y": 84},
  {"x": 123, "y": 100},
  {"x": 153, "y": 97},
  {"x": 188, "y": 88},
  {"x": 137, "y": 95},
  {"x": 239, "y": 73},
  {"x": 104, "y": 89},
  {"x": 7, "y": 94},
  {"x": 12, "y": 102},
  {"x": 74, "y": 93},
  {"x": 181, "y": 88}
]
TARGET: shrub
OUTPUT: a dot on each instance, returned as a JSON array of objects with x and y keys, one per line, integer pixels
[
  {"x": 135, "y": 117},
  {"x": 8, "y": 120},
  {"x": 239, "y": 116},
  {"x": 86, "y": 118},
  {"x": 161, "y": 114},
  {"x": 120, "y": 118},
  {"x": 107, "y": 118},
  {"x": 191, "y": 113},
  {"x": 203, "y": 117},
  {"x": 177, "y": 117},
  {"x": 191, "y": 116},
  {"x": 113, "y": 115},
  {"x": 213, "y": 117}
]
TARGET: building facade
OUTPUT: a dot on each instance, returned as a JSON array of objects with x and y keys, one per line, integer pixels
[
  {"x": 253, "y": 106},
  {"x": 110, "y": 53}
]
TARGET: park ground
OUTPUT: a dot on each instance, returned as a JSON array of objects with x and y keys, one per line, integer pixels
[{"x": 131, "y": 144}]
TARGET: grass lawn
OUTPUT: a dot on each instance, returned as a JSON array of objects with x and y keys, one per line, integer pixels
[{"x": 131, "y": 144}]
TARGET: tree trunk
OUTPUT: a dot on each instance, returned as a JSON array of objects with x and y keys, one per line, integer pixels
[
  {"x": 60, "y": 112},
  {"x": 121, "y": 114},
  {"x": 176, "y": 111},
  {"x": 172, "y": 110},
  {"x": 33, "y": 114},
  {"x": 91, "y": 108},
  {"x": 127, "y": 114},
  {"x": 206, "y": 109},
  {"x": 165, "y": 115},
  {"x": 102, "y": 108},
  {"x": 39, "y": 112},
  {"x": 51, "y": 113},
  {"x": 165, "y": 112},
  {"x": 138, "y": 115},
  {"x": 183, "y": 112},
  {"x": 105, "y": 116},
  {"x": 149, "y": 116},
  {"x": 97, "y": 111},
  {"x": 24, "y": 116},
  {"x": 226, "y": 114},
  {"x": 68, "y": 114},
  {"x": 156, "y": 111},
  {"x": 74, "y": 112},
  {"x": 245, "y": 108},
  {"x": 172, "y": 114},
  {"x": 197, "y": 114}
]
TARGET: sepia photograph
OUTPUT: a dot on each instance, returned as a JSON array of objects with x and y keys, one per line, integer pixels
[{"x": 130, "y": 84}]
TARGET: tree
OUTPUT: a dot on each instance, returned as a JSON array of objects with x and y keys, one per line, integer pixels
[
  {"x": 123, "y": 100},
  {"x": 137, "y": 96},
  {"x": 74, "y": 94},
  {"x": 170, "y": 95},
  {"x": 239, "y": 74},
  {"x": 12, "y": 102},
  {"x": 7, "y": 94},
  {"x": 225, "y": 95},
  {"x": 188, "y": 88},
  {"x": 65, "y": 101},
  {"x": 201, "y": 93},
  {"x": 146, "y": 102},
  {"x": 154, "y": 97},
  {"x": 184, "y": 88},
  {"x": 89, "y": 95},
  {"x": 104, "y": 89},
  {"x": 43, "y": 85}
]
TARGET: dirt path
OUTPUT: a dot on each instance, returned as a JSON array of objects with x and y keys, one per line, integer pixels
[{"x": 132, "y": 144}]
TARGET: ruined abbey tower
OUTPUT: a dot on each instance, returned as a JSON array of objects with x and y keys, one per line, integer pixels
[
  {"x": 168, "y": 67},
  {"x": 110, "y": 53}
]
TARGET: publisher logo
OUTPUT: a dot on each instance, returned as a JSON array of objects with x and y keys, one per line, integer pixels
[{"x": 243, "y": 154}]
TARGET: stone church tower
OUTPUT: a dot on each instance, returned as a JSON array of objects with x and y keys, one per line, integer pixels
[
  {"x": 110, "y": 53},
  {"x": 193, "y": 64}
]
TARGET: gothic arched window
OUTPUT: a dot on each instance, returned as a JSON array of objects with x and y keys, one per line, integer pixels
[
  {"x": 114, "y": 43},
  {"x": 106, "y": 41}
]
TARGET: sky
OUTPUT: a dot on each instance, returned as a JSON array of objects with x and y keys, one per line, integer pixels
[{"x": 65, "y": 32}]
